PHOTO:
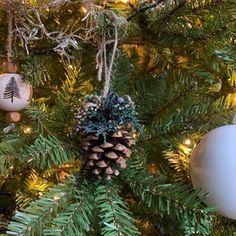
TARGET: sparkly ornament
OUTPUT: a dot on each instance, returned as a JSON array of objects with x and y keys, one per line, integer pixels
[
  {"x": 108, "y": 129},
  {"x": 213, "y": 169},
  {"x": 15, "y": 94}
]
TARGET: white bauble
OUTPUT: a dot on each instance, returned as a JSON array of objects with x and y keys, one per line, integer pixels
[
  {"x": 15, "y": 94},
  {"x": 213, "y": 169}
]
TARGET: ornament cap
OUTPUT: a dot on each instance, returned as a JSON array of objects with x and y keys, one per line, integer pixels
[
  {"x": 10, "y": 67},
  {"x": 13, "y": 117}
]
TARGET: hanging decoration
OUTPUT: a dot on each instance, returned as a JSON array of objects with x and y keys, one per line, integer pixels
[
  {"x": 213, "y": 169},
  {"x": 15, "y": 94},
  {"x": 108, "y": 127},
  {"x": 107, "y": 124}
]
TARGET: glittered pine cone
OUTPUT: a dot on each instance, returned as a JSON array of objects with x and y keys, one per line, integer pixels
[{"x": 108, "y": 127}]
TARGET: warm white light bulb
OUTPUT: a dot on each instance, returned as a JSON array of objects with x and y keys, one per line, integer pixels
[
  {"x": 84, "y": 10},
  {"x": 56, "y": 198},
  {"x": 187, "y": 141},
  {"x": 70, "y": 66},
  {"x": 27, "y": 130}
]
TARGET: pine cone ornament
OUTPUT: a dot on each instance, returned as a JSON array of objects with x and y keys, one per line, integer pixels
[{"x": 108, "y": 128}]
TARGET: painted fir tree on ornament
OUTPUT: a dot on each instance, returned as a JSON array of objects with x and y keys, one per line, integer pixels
[{"x": 15, "y": 94}]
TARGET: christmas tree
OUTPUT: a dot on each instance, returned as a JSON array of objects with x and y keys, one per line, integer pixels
[{"x": 122, "y": 92}]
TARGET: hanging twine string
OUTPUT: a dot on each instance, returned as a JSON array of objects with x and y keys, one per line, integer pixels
[
  {"x": 104, "y": 67},
  {"x": 9, "y": 39},
  {"x": 108, "y": 72}
]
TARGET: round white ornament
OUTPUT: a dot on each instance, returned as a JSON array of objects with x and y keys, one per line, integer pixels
[
  {"x": 213, "y": 169},
  {"x": 15, "y": 94}
]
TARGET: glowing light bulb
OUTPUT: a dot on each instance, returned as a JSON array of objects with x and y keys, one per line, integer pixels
[
  {"x": 27, "y": 130},
  {"x": 70, "y": 66},
  {"x": 187, "y": 142},
  {"x": 56, "y": 198},
  {"x": 84, "y": 10}
]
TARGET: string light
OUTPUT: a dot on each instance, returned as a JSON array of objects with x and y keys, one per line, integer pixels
[
  {"x": 70, "y": 66},
  {"x": 186, "y": 146},
  {"x": 84, "y": 10},
  {"x": 187, "y": 142},
  {"x": 56, "y": 198},
  {"x": 27, "y": 129}
]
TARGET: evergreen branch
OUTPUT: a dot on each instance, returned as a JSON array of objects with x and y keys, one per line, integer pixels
[
  {"x": 182, "y": 94},
  {"x": 227, "y": 55},
  {"x": 47, "y": 152},
  {"x": 34, "y": 185},
  {"x": 9, "y": 154},
  {"x": 31, "y": 220},
  {"x": 35, "y": 70},
  {"x": 143, "y": 9},
  {"x": 223, "y": 227},
  {"x": 116, "y": 220},
  {"x": 197, "y": 117},
  {"x": 6, "y": 162},
  {"x": 219, "y": 31},
  {"x": 179, "y": 161},
  {"x": 39, "y": 116},
  {"x": 11, "y": 147},
  {"x": 76, "y": 218},
  {"x": 178, "y": 201},
  {"x": 184, "y": 27},
  {"x": 173, "y": 11}
]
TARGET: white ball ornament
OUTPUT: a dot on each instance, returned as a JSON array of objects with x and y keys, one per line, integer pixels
[
  {"x": 213, "y": 169},
  {"x": 15, "y": 94}
]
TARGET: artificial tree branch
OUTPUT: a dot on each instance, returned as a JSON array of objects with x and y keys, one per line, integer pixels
[{"x": 144, "y": 8}]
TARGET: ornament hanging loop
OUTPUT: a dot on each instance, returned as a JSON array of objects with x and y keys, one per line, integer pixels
[
  {"x": 10, "y": 67},
  {"x": 109, "y": 71},
  {"x": 112, "y": 25}
]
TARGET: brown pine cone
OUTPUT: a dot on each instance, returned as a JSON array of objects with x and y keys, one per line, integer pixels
[{"x": 105, "y": 156}]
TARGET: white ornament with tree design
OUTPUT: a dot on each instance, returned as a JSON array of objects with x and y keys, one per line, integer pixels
[{"x": 15, "y": 94}]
